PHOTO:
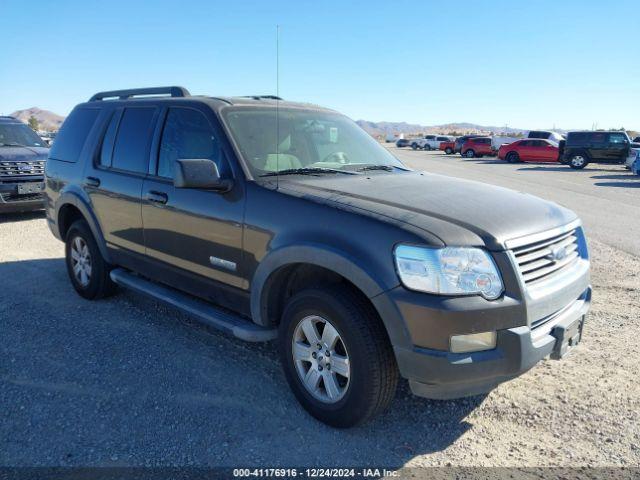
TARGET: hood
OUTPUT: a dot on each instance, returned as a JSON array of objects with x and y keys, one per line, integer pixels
[
  {"x": 458, "y": 212},
  {"x": 23, "y": 154}
]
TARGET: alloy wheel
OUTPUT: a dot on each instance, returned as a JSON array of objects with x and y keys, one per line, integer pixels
[
  {"x": 81, "y": 261},
  {"x": 321, "y": 359}
]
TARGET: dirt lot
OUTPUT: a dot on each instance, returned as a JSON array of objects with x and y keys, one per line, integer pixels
[{"x": 126, "y": 381}]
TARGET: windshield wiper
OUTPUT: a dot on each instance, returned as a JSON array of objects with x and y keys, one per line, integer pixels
[
  {"x": 12, "y": 144},
  {"x": 307, "y": 171}
]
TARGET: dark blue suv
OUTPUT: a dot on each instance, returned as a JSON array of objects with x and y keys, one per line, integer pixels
[{"x": 22, "y": 157}]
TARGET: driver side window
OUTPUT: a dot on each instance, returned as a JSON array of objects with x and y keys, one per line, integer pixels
[{"x": 187, "y": 134}]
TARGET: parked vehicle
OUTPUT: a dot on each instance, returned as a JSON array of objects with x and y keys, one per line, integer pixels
[
  {"x": 477, "y": 147},
  {"x": 22, "y": 159},
  {"x": 636, "y": 140},
  {"x": 545, "y": 135},
  {"x": 434, "y": 143},
  {"x": 402, "y": 142},
  {"x": 363, "y": 269},
  {"x": 448, "y": 147},
  {"x": 460, "y": 141},
  {"x": 429, "y": 142},
  {"x": 633, "y": 160},
  {"x": 529, "y": 150},
  {"x": 582, "y": 148},
  {"x": 390, "y": 138}
]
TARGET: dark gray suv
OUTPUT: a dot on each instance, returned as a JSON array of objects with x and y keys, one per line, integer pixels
[{"x": 271, "y": 219}]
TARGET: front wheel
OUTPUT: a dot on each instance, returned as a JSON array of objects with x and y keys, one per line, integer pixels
[
  {"x": 427, "y": 147},
  {"x": 513, "y": 157},
  {"x": 88, "y": 271},
  {"x": 578, "y": 162},
  {"x": 336, "y": 356},
  {"x": 414, "y": 146},
  {"x": 448, "y": 150}
]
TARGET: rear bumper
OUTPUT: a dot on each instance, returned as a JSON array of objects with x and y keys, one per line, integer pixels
[
  {"x": 11, "y": 201},
  {"x": 441, "y": 374}
]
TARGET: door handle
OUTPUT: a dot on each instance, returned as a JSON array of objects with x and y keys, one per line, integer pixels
[
  {"x": 92, "y": 182},
  {"x": 157, "y": 197}
]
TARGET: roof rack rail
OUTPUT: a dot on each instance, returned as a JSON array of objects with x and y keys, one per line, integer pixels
[
  {"x": 135, "y": 92},
  {"x": 263, "y": 97}
]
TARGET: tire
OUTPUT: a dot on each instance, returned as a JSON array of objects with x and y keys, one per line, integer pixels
[
  {"x": 578, "y": 161},
  {"x": 470, "y": 153},
  {"x": 88, "y": 271},
  {"x": 512, "y": 157},
  {"x": 448, "y": 151},
  {"x": 372, "y": 374},
  {"x": 427, "y": 147},
  {"x": 414, "y": 146}
]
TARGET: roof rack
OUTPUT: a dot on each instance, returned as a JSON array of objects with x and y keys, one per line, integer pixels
[
  {"x": 135, "y": 92},
  {"x": 263, "y": 97}
]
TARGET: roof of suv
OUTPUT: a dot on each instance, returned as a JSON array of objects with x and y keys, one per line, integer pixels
[
  {"x": 4, "y": 119},
  {"x": 181, "y": 93}
]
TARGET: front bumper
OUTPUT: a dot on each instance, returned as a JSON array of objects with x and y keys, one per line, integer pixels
[
  {"x": 441, "y": 374},
  {"x": 12, "y": 201}
]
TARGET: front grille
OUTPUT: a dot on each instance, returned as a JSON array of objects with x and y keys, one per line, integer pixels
[
  {"x": 18, "y": 169},
  {"x": 14, "y": 197},
  {"x": 544, "y": 258}
]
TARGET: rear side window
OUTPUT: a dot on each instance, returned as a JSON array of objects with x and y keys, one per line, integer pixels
[
  {"x": 598, "y": 137},
  {"x": 187, "y": 134},
  {"x": 575, "y": 138},
  {"x": 73, "y": 134},
  {"x": 131, "y": 148}
]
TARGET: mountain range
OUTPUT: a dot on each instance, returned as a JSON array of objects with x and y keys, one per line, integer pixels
[
  {"x": 47, "y": 120},
  {"x": 382, "y": 129}
]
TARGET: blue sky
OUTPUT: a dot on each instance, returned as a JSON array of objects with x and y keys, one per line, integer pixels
[{"x": 528, "y": 64}]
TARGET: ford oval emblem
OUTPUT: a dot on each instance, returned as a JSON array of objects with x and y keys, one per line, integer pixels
[{"x": 25, "y": 168}]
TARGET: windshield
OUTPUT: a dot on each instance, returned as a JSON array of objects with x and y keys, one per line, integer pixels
[
  {"x": 303, "y": 139},
  {"x": 16, "y": 134}
]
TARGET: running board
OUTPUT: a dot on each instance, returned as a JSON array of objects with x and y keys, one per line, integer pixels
[{"x": 202, "y": 311}]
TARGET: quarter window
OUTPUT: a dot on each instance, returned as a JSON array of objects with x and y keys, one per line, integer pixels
[
  {"x": 188, "y": 134},
  {"x": 73, "y": 134},
  {"x": 131, "y": 149}
]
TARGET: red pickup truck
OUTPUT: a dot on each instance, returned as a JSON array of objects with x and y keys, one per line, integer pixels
[
  {"x": 448, "y": 147},
  {"x": 477, "y": 147}
]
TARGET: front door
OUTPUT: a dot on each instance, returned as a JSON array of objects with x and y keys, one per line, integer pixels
[{"x": 192, "y": 230}]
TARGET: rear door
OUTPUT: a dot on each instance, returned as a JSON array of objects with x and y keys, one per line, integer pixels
[
  {"x": 114, "y": 180},
  {"x": 191, "y": 230},
  {"x": 598, "y": 146}
]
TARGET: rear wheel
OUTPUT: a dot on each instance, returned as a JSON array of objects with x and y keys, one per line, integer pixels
[
  {"x": 512, "y": 157},
  {"x": 88, "y": 271},
  {"x": 470, "y": 153},
  {"x": 336, "y": 356},
  {"x": 448, "y": 150},
  {"x": 427, "y": 147},
  {"x": 578, "y": 161}
]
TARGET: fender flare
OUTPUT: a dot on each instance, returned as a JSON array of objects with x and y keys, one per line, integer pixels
[
  {"x": 78, "y": 200},
  {"x": 333, "y": 260}
]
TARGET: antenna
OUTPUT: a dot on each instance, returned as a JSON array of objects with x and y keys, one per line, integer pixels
[{"x": 277, "y": 106}]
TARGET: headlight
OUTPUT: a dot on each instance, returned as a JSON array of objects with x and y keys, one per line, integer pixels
[{"x": 448, "y": 271}]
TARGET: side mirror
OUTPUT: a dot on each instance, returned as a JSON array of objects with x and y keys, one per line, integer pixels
[{"x": 200, "y": 173}]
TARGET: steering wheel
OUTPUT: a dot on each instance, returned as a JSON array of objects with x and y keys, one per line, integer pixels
[{"x": 339, "y": 157}]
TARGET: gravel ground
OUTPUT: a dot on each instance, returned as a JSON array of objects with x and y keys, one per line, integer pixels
[{"x": 125, "y": 381}]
